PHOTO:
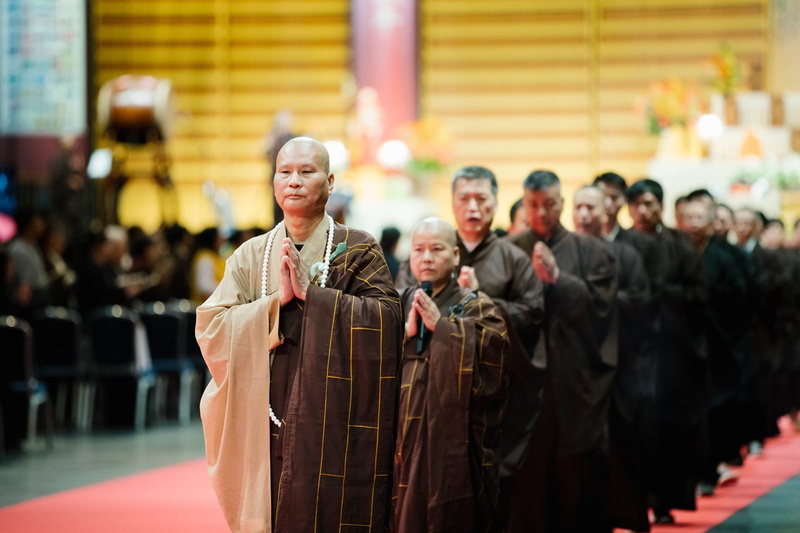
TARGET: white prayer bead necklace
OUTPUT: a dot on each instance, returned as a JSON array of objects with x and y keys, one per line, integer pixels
[{"x": 322, "y": 278}]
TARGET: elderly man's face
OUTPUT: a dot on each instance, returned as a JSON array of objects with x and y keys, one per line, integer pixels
[
  {"x": 696, "y": 220},
  {"x": 772, "y": 238},
  {"x": 301, "y": 184},
  {"x": 474, "y": 207},
  {"x": 433, "y": 257},
  {"x": 543, "y": 208},
  {"x": 588, "y": 212},
  {"x": 646, "y": 212},
  {"x": 744, "y": 224}
]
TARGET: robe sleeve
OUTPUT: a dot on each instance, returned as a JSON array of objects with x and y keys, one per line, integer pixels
[
  {"x": 233, "y": 334},
  {"x": 526, "y": 310},
  {"x": 588, "y": 300}
]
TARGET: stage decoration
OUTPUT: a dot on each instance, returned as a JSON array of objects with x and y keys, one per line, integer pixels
[
  {"x": 783, "y": 174},
  {"x": 672, "y": 102},
  {"x": 727, "y": 68},
  {"x": 431, "y": 145},
  {"x": 394, "y": 155}
]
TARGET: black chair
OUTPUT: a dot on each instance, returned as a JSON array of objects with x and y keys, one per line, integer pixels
[
  {"x": 120, "y": 351},
  {"x": 18, "y": 381},
  {"x": 59, "y": 359},
  {"x": 193, "y": 353},
  {"x": 166, "y": 334}
]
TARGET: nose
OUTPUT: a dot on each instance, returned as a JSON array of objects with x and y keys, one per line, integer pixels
[
  {"x": 472, "y": 204},
  {"x": 427, "y": 256},
  {"x": 294, "y": 180}
]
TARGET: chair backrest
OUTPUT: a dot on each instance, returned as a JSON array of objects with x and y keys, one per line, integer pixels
[
  {"x": 165, "y": 331},
  {"x": 113, "y": 333},
  {"x": 16, "y": 358},
  {"x": 57, "y": 338},
  {"x": 189, "y": 312}
]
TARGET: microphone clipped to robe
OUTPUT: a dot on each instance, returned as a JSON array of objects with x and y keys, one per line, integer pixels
[{"x": 427, "y": 287}]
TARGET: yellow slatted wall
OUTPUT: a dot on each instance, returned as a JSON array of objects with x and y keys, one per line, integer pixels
[
  {"x": 233, "y": 64},
  {"x": 530, "y": 84}
]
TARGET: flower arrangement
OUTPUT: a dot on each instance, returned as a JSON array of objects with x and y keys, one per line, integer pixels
[
  {"x": 783, "y": 174},
  {"x": 672, "y": 102},
  {"x": 727, "y": 69},
  {"x": 430, "y": 143}
]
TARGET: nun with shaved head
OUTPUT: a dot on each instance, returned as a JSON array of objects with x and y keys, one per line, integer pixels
[{"x": 454, "y": 378}]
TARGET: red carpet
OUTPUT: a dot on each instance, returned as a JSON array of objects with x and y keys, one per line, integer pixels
[
  {"x": 179, "y": 499},
  {"x": 779, "y": 462},
  {"x": 172, "y": 499}
]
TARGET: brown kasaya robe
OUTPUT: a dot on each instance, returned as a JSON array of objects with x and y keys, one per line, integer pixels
[
  {"x": 505, "y": 274},
  {"x": 560, "y": 485},
  {"x": 630, "y": 417},
  {"x": 333, "y": 382},
  {"x": 451, "y": 404},
  {"x": 679, "y": 296}
]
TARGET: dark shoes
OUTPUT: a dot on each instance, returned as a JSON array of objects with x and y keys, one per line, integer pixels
[{"x": 664, "y": 519}]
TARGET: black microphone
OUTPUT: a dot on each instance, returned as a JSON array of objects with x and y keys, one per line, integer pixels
[{"x": 427, "y": 287}]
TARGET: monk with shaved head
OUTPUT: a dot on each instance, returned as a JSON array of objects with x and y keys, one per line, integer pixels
[
  {"x": 302, "y": 339},
  {"x": 454, "y": 376}
]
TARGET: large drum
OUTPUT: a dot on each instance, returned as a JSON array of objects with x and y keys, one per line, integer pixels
[{"x": 135, "y": 109}]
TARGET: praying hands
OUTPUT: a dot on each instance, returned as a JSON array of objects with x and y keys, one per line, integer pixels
[
  {"x": 544, "y": 263},
  {"x": 294, "y": 274}
]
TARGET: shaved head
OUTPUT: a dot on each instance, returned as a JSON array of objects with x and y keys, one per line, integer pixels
[
  {"x": 434, "y": 252},
  {"x": 439, "y": 227},
  {"x": 303, "y": 181},
  {"x": 307, "y": 144}
]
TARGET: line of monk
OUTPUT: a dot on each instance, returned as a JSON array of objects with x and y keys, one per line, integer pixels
[{"x": 547, "y": 381}]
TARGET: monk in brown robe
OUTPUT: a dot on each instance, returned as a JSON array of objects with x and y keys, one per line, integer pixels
[
  {"x": 679, "y": 295},
  {"x": 452, "y": 396},
  {"x": 728, "y": 320},
  {"x": 561, "y": 485},
  {"x": 503, "y": 272},
  {"x": 631, "y": 391},
  {"x": 302, "y": 339}
]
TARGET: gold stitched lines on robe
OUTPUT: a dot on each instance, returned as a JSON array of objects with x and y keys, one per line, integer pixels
[
  {"x": 343, "y": 524},
  {"x": 331, "y": 475},
  {"x": 362, "y": 427},
  {"x": 338, "y": 377},
  {"x": 366, "y": 281},
  {"x": 349, "y": 412},
  {"x": 378, "y": 421},
  {"x": 325, "y": 406},
  {"x": 463, "y": 349},
  {"x": 368, "y": 329}
]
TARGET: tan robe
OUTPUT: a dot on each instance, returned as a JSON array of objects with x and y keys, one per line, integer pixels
[{"x": 236, "y": 326}]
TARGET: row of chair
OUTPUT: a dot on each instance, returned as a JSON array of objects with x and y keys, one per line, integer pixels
[{"x": 150, "y": 345}]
